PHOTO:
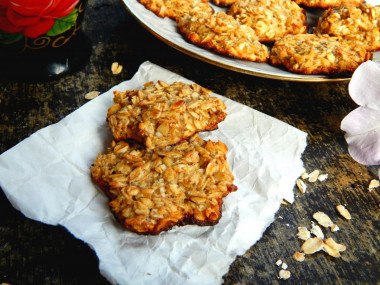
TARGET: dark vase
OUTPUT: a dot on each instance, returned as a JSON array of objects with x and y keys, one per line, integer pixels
[{"x": 29, "y": 55}]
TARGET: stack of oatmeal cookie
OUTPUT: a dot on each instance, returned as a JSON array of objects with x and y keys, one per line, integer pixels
[{"x": 158, "y": 172}]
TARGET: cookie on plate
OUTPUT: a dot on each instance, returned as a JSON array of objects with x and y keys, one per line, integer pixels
[
  {"x": 312, "y": 54},
  {"x": 270, "y": 19},
  {"x": 151, "y": 191},
  {"x": 222, "y": 33},
  {"x": 176, "y": 8},
  {"x": 352, "y": 23},
  {"x": 162, "y": 114},
  {"x": 223, "y": 2},
  {"x": 326, "y": 3}
]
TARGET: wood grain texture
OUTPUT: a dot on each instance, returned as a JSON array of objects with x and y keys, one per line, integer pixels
[{"x": 35, "y": 253}]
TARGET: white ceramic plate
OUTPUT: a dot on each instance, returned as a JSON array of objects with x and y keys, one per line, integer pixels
[{"x": 166, "y": 30}]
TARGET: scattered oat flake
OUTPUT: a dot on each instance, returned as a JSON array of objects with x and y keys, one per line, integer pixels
[
  {"x": 303, "y": 233},
  {"x": 279, "y": 262},
  {"x": 284, "y": 265},
  {"x": 305, "y": 176},
  {"x": 374, "y": 183},
  {"x": 312, "y": 245},
  {"x": 323, "y": 219},
  {"x": 317, "y": 231},
  {"x": 299, "y": 256},
  {"x": 334, "y": 228},
  {"x": 344, "y": 212},
  {"x": 330, "y": 251},
  {"x": 301, "y": 186},
  {"x": 323, "y": 177},
  {"x": 314, "y": 176},
  {"x": 92, "y": 95},
  {"x": 333, "y": 244},
  {"x": 116, "y": 68},
  {"x": 284, "y": 274}
]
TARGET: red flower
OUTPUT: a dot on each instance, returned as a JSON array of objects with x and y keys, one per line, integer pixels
[{"x": 32, "y": 18}]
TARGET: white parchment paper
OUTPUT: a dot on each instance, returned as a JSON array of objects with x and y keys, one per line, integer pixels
[{"x": 47, "y": 178}]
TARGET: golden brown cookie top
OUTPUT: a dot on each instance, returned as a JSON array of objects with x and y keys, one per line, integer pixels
[
  {"x": 161, "y": 114},
  {"x": 174, "y": 9},
  {"x": 153, "y": 190},
  {"x": 270, "y": 19},
  {"x": 326, "y": 3},
  {"x": 352, "y": 23},
  {"x": 312, "y": 54},
  {"x": 222, "y": 33}
]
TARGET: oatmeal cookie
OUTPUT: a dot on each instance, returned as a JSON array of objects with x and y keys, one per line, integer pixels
[
  {"x": 327, "y": 3},
  {"x": 352, "y": 23},
  {"x": 162, "y": 114},
  {"x": 312, "y": 54},
  {"x": 223, "y": 2},
  {"x": 174, "y": 9},
  {"x": 270, "y": 19},
  {"x": 151, "y": 191},
  {"x": 222, "y": 33}
]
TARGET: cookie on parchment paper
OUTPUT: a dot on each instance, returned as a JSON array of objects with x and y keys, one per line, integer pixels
[
  {"x": 151, "y": 191},
  {"x": 222, "y": 33},
  {"x": 352, "y": 23},
  {"x": 324, "y": 4},
  {"x": 312, "y": 54},
  {"x": 162, "y": 114},
  {"x": 270, "y": 19}
]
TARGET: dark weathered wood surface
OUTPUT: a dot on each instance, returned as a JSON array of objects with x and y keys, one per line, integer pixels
[{"x": 35, "y": 253}]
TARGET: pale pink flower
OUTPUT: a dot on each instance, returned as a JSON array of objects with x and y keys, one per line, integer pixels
[{"x": 362, "y": 125}]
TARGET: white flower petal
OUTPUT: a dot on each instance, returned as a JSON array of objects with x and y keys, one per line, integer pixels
[
  {"x": 361, "y": 121},
  {"x": 364, "y": 87},
  {"x": 362, "y": 127}
]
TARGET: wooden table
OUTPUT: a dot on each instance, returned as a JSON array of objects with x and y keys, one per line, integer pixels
[{"x": 35, "y": 253}]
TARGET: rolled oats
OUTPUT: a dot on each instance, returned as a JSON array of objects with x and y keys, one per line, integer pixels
[
  {"x": 284, "y": 274},
  {"x": 116, "y": 68},
  {"x": 299, "y": 256},
  {"x": 313, "y": 176},
  {"x": 301, "y": 186},
  {"x": 317, "y": 231},
  {"x": 162, "y": 114},
  {"x": 153, "y": 190},
  {"x": 344, "y": 212},
  {"x": 326, "y": 3},
  {"x": 312, "y": 245},
  {"x": 323, "y": 219},
  {"x": 174, "y": 9},
  {"x": 303, "y": 233},
  {"x": 352, "y": 23},
  {"x": 312, "y": 54},
  {"x": 222, "y": 33},
  {"x": 91, "y": 95},
  {"x": 270, "y": 19}
]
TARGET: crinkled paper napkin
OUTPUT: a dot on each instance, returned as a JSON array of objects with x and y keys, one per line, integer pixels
[{"x": 47, "y": 178}]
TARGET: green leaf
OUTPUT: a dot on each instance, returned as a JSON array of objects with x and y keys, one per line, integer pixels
[
  {"x": 10, "y": 38},
  {"x": 63, "y": 24}
]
